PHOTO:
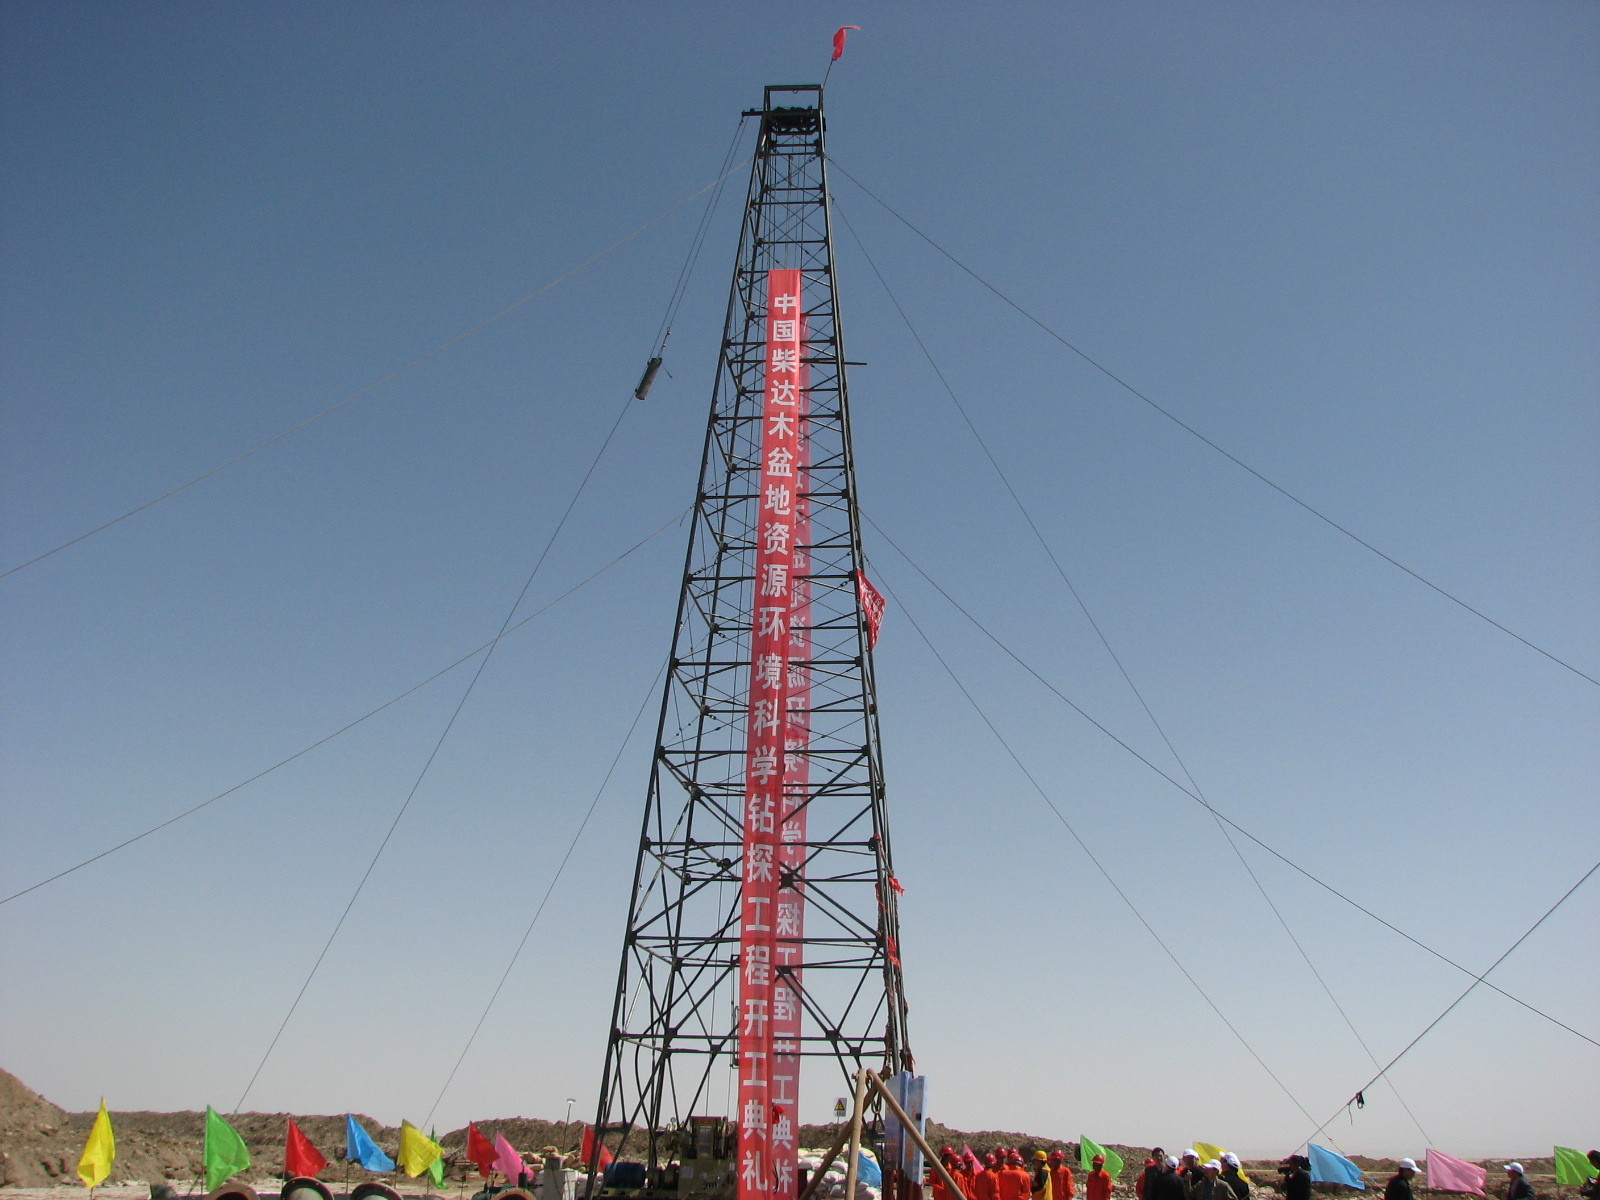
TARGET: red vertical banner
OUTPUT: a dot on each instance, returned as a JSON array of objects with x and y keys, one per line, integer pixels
[
  {"x": 777, "y": 507},
  {"x": 786, "y": 987}
]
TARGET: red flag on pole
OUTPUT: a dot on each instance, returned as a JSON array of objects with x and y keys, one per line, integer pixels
[
  {"x": 480, "y": 1150},
  {"x": 587, "y": 1152},
  {"x": 872, "y": 605},
  {"x": 838, "y": 41},
  {"x": 300, "y": 1157}
]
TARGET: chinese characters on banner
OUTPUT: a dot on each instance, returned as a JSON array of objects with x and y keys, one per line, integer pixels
[
  {"x": 786, "y": 987},
  {"x": 762, "y": 1078}
]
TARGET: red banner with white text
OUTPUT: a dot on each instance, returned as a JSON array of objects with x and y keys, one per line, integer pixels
[
  {"x": 786, "y": 987},
  {"x": 771, "y": 652}
]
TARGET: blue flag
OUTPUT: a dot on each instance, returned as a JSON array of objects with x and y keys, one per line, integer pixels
[
  {"x": 869, "y": 1172},
  {"x": 358, "y": 1147},
  {"x": 1328, "y": 1167}
]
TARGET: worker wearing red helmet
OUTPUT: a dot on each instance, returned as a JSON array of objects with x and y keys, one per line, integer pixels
[
  {"x": 985, "y": 1184},
  {"x": 962, "y": 1173},
  {"x": 1011, "y": 1179},
  {"x": 1097, "y": 1184},
  {"x": 1063, "y": 1187}
]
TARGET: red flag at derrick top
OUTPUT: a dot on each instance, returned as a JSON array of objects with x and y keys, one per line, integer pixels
[
  {"x": 480, "y": 1151},
  {"x": 587, "y": 1152},
  {"x": 300, "y": 1157},
  {"x": 838, "y": 41}
]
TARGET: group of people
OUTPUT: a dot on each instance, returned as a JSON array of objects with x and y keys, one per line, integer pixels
[
  {"x": 1185, "y": 1177},
  {"x": 1005, "y": 1175}
]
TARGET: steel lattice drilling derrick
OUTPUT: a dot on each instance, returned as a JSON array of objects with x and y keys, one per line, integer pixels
[{"x": 761, "y": 951}]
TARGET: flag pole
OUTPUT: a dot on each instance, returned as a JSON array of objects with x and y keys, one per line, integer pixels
[{"x": 852, "y": 1168}]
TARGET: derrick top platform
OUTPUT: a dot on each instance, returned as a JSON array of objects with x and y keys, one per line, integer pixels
[{"x": 797, "y": 118}]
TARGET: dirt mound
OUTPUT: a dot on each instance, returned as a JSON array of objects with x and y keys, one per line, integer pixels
[{"x": 23, "y": 1110}]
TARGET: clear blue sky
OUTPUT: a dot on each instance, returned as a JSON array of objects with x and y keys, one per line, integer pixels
[{"x": 1353, "y": 243}]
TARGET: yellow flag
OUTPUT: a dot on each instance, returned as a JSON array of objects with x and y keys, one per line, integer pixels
[
  {"x": 418, "y": 1151},
  {"x": 99, "y": 1151},
  {"x": 1207, "y": 1151}
]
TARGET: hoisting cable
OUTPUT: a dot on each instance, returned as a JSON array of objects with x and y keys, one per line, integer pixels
[
  {"x": 1055, "y": 562},
  {"x": 370, "y": 713},
  {"x": 1479, "y": 979},
  {"x": 1191, "y": 430},
  {"x": 545, "y": 899},
  {"x": 1200, "y": 800},
  {"x": 681, "y": 287},
  {"x": 439, "y": 744},
  {"x": 1084, "y": 846},
  {"x": 374, "y": 386}
]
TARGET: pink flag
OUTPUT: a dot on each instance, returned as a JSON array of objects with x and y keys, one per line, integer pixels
[
  {"x": 1453, "y": 1175},
  {"x": 507, "y": 1161},
  {"x": 838, "y": 40},
  {"x": 972, "y": 1159}
]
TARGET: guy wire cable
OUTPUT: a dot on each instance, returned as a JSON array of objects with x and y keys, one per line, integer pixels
[
  {"x": 445, "y": 733},
  {"x": 545, "y": 899},
  {"x": 1055, "y": 562},
  {"x": 1238, "y": 462},
  {"x": 1281, "y": 857},
  {"x": 1463, "y": 996},
  {"x": 389, "y": 703},
  {"x": 696, "y": 244},
  {"x": 1084, "y": 846},
  {"x": 374, "y": 386}
]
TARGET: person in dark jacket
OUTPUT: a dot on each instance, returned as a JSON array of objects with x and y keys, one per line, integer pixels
[
  {"x": 1152, "y": 1168},
  {"x": 1296, "y": 1172},
  {"x": 1233, "y": 1177},
  {"x": 1399, "y": 1187},
  {"x": 1517, "y": 1185},
  {"x": 1166, "y": 1184},
  {"x": 1591, "y": 1186}
]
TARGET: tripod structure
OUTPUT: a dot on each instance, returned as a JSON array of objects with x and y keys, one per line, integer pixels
[{"x": 761, "y": 949}]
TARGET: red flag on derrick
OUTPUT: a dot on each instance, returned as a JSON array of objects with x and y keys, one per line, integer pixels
[
  {"x": 480, "y": 1151},
  {"x": 300, "y": 1157},
  {"x": 838, "y": 41},
  {"x": 872, "y": 605},
  {"x": 587, "y": 1152}
]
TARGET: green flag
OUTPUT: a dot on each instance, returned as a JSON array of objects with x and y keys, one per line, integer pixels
[
  {"x": 225, "y": 1155},
  {"x": 1573, "y": 1168},
  {"x": 436, "y": 1167},
  {"x": 1087, "y": 1149}
]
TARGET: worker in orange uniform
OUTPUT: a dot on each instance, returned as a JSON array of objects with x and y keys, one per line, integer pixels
[
  {"x": 1097, "y": 1184},
  {"x": 953, "y": 1164},
  {"x": 985, "y": 1185},
  {"x": 1061, "y": 1181},
  {"x": 940, "y": 1191},
  {"x": 1012, "y": 1179},
  {"x": 1020, "y": 1166},
  {"x": 961, "y": 1172}
]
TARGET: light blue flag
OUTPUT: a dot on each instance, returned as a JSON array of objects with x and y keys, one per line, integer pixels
[
  {"x": 358, "y": 1147},
  {"x": 1328, "y": 1167},
  {"x": 868, "y": 1172}
]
